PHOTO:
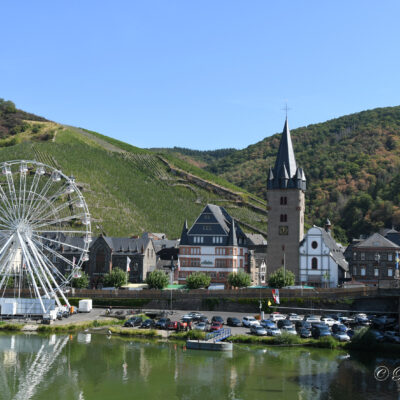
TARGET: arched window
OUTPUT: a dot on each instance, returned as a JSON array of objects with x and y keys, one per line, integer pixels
[{"x": 314, "y": 263}]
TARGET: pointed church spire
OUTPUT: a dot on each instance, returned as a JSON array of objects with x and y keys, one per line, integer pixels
[
  {"x": 285, "y": 157},
  {"x": 184, "y": 236},
  {"x": 232, "y": 238}
]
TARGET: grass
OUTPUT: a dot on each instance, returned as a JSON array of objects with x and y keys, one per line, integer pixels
[
  {"x": 194, "y": 334},
  {"x": 76, "y": 327},
  {"x": 132, "y": 332},
  {"x": 8, "y": 326}
]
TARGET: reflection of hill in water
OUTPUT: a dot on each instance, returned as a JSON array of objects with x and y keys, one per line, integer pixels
[{"x": 94, "y": 367}]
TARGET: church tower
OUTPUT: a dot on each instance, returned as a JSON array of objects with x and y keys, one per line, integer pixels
[{"x": 286, "y": 204}]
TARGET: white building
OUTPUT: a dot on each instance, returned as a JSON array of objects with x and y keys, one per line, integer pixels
[{"x": 322, "y": 262}]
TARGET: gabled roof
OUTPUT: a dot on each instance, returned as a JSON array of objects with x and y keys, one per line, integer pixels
[
  {"x": 126, "y": 245},
  {"x": 256, "y": 239},
  {"x": 376, "y": 240}
]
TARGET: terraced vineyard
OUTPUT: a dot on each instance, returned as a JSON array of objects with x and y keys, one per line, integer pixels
[{"x": 131, "y": 190}]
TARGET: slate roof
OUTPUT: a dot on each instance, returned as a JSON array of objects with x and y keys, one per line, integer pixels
[
  {"x": 126, "y": 245},
  {"x": 256, "y": 239},
  {"x": 376, "y": 240},
  {"x": 164, "y": 244},
  {"x": 214, "y": 221},
  {"x": 285, "y": 173}
]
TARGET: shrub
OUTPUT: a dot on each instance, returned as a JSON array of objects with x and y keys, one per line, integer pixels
[
  {"x": 82, "y": 282},
  {"x": 287, "y": 338},
  {"x": 198, "y": 280},
  {"x": 281, "y": 278},
  {"x": 157, "y": 280},
  {"x": 241, "y": 279},
  {"x": 116, "y": 278}
]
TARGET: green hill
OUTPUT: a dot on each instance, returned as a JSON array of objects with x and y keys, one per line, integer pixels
[
  {"x": 128, "y": 190},
  {"x": 352, "y": 164}
]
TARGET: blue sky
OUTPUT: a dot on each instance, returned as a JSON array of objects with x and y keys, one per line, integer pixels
[{"x": 205, "y": 74}]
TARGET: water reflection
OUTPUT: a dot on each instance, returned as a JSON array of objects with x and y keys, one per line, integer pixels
[{"x": 92, "y": 367}]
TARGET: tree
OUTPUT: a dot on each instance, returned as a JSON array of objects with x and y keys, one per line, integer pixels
[
  {"x": 198, "y": 280},
  {"x": 240, "y": 279},
  {"x": 157, "y": 280},
  {"x": 281, "y": 278},
  {"x": 116, "y": 278},
  {"x": 82, "y": 282}
]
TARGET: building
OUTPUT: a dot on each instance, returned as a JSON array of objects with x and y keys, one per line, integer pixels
[
  {"x": 258, "y": 268},
  {"x": 322, "y": 261},
  {"x": 256, "y": 242},
  {"x": 286, "y": 186},
  {"x": 215, "y": 245},
  {"x": 136, "y": 256},
  {"x": 372, "y": 259}
]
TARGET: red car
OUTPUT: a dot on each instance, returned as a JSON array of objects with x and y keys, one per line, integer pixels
[
  {"x": 216, "y": 326},
  {"x": 173, "y": 325}
]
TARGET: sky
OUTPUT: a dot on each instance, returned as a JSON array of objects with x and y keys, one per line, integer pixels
[{"x": 198, "y": 74}]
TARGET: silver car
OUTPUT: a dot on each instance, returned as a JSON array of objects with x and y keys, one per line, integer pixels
[
  {"x": 258, "y": 330},
  {"x": 341, "y": 336},
  {"x": 201, "y": 326},
  {"x": 273, "y": 332}
]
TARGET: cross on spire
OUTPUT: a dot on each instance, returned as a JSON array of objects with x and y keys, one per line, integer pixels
[{"x": 286, "y": 109}]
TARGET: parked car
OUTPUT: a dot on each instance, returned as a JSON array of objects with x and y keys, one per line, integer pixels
[
  {"x": 215, "y": 326},
  {"x": 294, "y": 317},
  {"x": 361, "y": 319},
  {"x": 148, "y": 324},
  {"x": 195, "y": 315},
  {"x": 383, "y": 322},
  {"x": 346, "y": 320},
  {"x": 200, "y": 326},
  {"x": 162, "y": 323},
  {"x": 392, "y": 336},
  {"x": 204, "y": 319},
  {"x": 289, "y": 329},
  {"x": 233, "y": 321},
  {"x": 328, "y": 321},
  {"x": 377, "y": 335},
  {"x": 305, "y": 333},
  {"x": 341, "y": 336},
  {"x": 320, "y": 330},
  {"x": 273, "y": 331},
  {"x": 275, "y": 316},
  {"x": 134, "y": 321},
  {"x": 285, "y": 323},
  {"x": 303, "y": 324},
  {"x": 258, "y": 330},
  {"x": 173, "y": 326},
  {"x": 267, "y": 323},
  {"x": 312, "y": 319},
  {"x": 339, "y": 328},
  {"x": 217, "y": 318},
  {"x": 247, "y": 321}
]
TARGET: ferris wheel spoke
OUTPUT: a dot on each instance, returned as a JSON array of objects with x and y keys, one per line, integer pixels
[
  {"x": 32, "y": 191},
  {"x": 7, "y": 206},
  {"x": 11, "y": 190},
  {"x": 21, "y": 193},
  {"x": 60, "y": 242},
  {"x": 58, "y": 221},
  {"x": 47, "y": 202},
  {"x": 61, "y": 207}
]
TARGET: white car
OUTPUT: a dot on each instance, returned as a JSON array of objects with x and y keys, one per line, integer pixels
[
  {"x": 312, "y": 319},
  {"x": 328, "y": 321},
  {"x": 289, "y": 330},
  {"x": 273, "y": 331},
  {"x": 248, "y": 321},
  {"x": 294, "y": 317},
  {"x": 276, "y": 317}
]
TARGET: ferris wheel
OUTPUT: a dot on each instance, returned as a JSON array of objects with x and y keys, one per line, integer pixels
[{"x": 42, "y": 213}]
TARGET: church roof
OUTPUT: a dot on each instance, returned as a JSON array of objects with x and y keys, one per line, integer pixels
[
  {"x": 376, "y": 240},
  {"x": 285, "y": 157}
]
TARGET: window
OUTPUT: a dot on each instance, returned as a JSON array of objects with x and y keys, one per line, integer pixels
[
  {"x": 314, "y": 263},
  {"x": 217, "y": 239},
  {"x": 314, "y": 244},
  {"x": 241, "y": 251},
  {"x": 363, "y": 256},
  {"x": 206, "y": 227},
  {"x": 390, "y": 257},
  {"x": 362, "y": 271},
  {"x": 283, "y": 217},
  {"x": 376, "y": 272},
  {"x": 241, "y": 263},
  {"x": 354, "y": 270},
  {"x": 206, "y": 216},
  {"x": 354, "y": 256},
  {"x": 390, "y": 272},
  {"x": 283, "y": 201}
]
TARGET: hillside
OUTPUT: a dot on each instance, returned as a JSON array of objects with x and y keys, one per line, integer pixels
[
  {"x": 128, "y": 190},
  {"x": 352, "y": 164}
]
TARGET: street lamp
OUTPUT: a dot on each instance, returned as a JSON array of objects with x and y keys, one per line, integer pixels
[
  {"x": 172, "y": 267},
  {"x": 377, "y": 259}
]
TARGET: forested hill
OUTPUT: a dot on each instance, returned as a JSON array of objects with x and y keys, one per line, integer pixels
[{"x": 352, "y": 165}]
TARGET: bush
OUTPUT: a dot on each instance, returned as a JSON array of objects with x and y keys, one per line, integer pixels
[
  {"x": 82, "y": 282},
  {"x": 116, "y": 278},
  {"x": 157, "y": 280},
  {"x": 281, "y": 278},
  {"x": 198, "y": 280},
  {"x": 241, "y": 279},
  {"x": 287, "y": 338},
  {"x": 327, "y": 342}
]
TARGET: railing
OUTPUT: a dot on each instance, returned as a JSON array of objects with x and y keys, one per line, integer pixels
[{"x": 219, "y": 335}]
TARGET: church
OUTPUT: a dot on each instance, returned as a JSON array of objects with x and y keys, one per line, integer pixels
[{"x": 315, "y": 258}]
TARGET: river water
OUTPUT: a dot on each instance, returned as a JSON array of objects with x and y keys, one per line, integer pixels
[{"x": 92, "y": 366}]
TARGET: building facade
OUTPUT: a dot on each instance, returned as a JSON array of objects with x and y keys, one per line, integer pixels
[
  {"x": 322, "y": 262},
  {"x": 372, "y": 259},
  {"x": 215, "y": 245},
  {"x": 286, "y": 205}
]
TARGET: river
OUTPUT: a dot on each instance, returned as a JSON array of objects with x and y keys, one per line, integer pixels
[{"x": 91, "y": 366}]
